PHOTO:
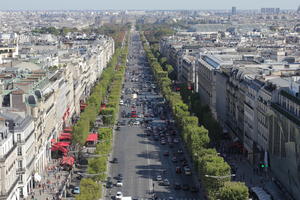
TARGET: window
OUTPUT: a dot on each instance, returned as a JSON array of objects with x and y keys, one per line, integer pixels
[
  {"x": 20, "y": 164},
  {"x": 18, "y": 137},
  {"x": 19, "y": 151},
  {"x": 20, "y": 179}
]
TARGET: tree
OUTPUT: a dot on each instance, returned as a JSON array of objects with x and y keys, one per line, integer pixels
[
  {"x": 89, "y": 189},
  {"x": 234, "y": 191},
  {"x": 163, "y": 61}
]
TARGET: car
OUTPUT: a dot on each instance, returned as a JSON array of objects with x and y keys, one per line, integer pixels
[
  {"x": 185, "y": 187},
  {"x": 180, "y": 151},
  {"x": 109, "y": 184},
  {"x": 166, "y": 153},
  {"x": 194, "y": 189},
  {"x": 177, "y": 186},
  {"x": 176, "y": 141},
  {"x": 187, "y": 170},
  {"x": 119, "y": 183},
  {"x": 121, "y": 102},
  {"x": 76, "y": 190},
  {"x": 158, "y": 178},
  {"x": 118, "y": 128},
  {"x": 114, "y": 160},
  {"x": 162, "y": 142},
  {"x": 120, "y": 177},
  {"x": 178, "y": 170},
  {"x": 119, "y": 195},
  {"x": 166, "y": 182},
  {"x": 136, "y": 123},
  {"x": 174, "y": 159},
  {"x": 79, "y": 177}
]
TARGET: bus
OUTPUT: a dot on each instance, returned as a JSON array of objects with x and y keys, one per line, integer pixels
[{"x": 258, "y": 193}]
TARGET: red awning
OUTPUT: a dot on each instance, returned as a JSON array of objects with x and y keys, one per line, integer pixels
[
  {"x": 66, "y": 134},
  {"x": 63, "y": 144},
  {"x": 92, "y": 137},
  {"x": 68, "y": 129},
  {"x": 59, "y": 148},
  {"x": 64, "y": 138},
  {"x": 67, "y": 161}
]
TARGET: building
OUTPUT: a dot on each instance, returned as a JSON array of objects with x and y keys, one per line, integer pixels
[
  {"x": 8, "y": 164},
  {"x": 233, "y": 10},
  {"x": 22, "y": 128}
]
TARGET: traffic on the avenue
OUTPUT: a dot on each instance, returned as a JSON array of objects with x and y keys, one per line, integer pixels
[{"x": 148, "y": 159}]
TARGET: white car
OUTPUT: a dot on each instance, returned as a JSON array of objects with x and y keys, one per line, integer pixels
[
  {"x": 121, "y": 102},
  {"x": 119, "y": 195},
  {"x": 158, "y": 178},
  {"x": 119, "y": 183},
  {"x": 136, "y": 123}
]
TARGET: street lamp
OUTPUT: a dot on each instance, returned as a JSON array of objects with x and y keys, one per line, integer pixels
[{"x": 219, "y": 177}]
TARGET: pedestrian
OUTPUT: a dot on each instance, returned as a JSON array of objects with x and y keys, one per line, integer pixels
[{"x": 40, "y": 192}]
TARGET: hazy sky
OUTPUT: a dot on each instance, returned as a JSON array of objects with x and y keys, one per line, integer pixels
[{"x": 146, "y": 4}]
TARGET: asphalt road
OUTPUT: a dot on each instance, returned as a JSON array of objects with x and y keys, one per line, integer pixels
[{"x": 140, "y": 157}]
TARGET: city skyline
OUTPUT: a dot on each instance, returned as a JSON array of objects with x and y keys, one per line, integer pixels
[{"x": 138, "y": 5}]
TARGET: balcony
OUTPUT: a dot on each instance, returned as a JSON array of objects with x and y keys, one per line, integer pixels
[
  {"x": 21, "y": 170},
  {"x": 287, "y": 114}
]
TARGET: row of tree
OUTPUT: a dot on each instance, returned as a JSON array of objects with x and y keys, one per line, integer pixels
[
  {"x": 208, "y": 163},
  {"x": 91, "y": 188}
]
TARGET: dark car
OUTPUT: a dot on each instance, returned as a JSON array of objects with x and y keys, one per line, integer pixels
[
  {"x": 109, "y": 184},
  {"x": 120, "y": 177},
  {"x": 115, "y": 160},
  {"x": 194, "y": 189},
  {"x": 185, "y": 187},
  {"x": 166, "y": 153},
  {"x": 178, "y": 170},
  {"x": 177, "y": 186}
]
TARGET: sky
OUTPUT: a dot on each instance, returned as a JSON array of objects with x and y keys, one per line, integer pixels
[{"x": 144, "y": 4}]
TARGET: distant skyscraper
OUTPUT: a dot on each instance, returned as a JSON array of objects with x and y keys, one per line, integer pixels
[
  {"x": 270, "y": 10},
  {"x": 298, "y": 10},
  {"x": 233, "y": 10}
]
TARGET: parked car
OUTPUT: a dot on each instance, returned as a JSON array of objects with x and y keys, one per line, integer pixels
[
  {"x": 76, "y": 190},
  {"x": 114, "y": 160}
]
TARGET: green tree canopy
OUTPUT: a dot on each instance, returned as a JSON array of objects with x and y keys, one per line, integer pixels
[{"x": 234, "y": 191}]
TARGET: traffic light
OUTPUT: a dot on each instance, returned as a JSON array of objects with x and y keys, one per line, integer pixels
[{"x": 263, "y": 165}]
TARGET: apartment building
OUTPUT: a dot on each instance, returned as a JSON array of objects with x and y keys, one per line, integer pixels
[
  {"x": 38, "y": 100},
  {"x": 22, "y": 128},
  {"x": 8, "y": 164}
]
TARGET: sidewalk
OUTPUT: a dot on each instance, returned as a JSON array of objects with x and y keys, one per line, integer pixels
[
  {"x": 52, "y": 181},
  {"x": 253, "y": 177}
]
